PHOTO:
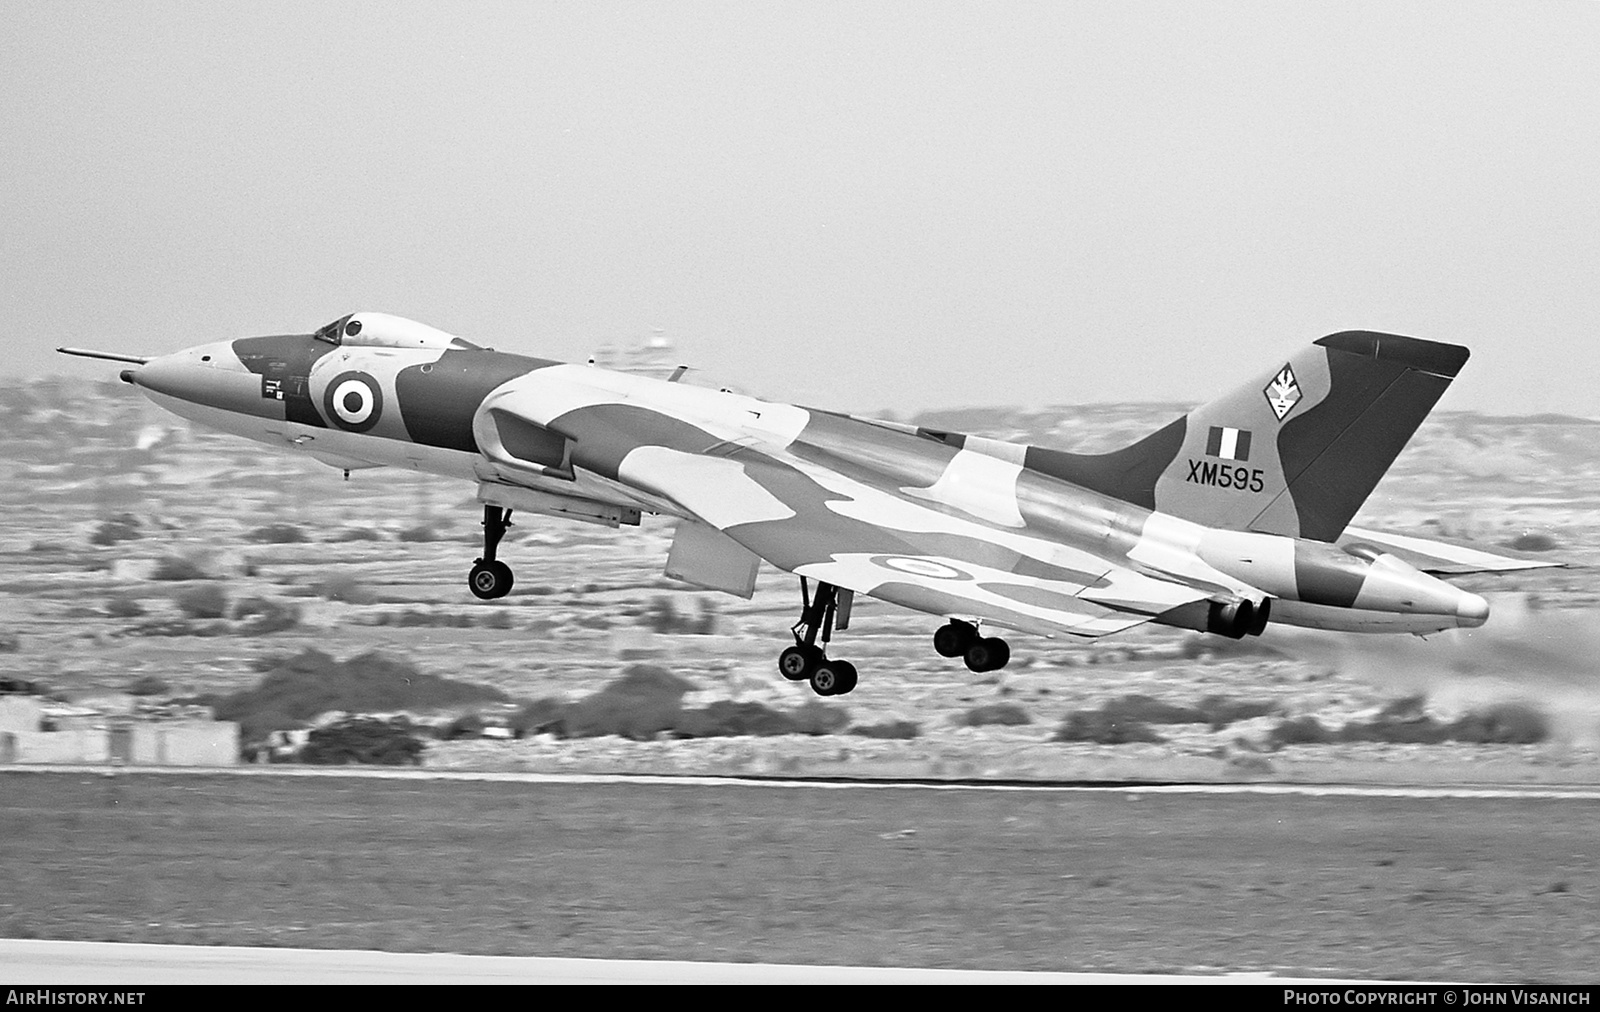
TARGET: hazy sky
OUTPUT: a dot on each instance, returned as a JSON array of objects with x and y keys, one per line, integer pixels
[{"x": 863, "y": 205}]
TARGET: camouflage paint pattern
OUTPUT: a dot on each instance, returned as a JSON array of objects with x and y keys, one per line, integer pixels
[
  {"x": 1235, "y": 502},
  {"x": 1320, "y": 429}
]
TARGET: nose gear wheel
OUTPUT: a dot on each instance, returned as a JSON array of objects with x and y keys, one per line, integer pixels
[{"x": 490, "y": 578}]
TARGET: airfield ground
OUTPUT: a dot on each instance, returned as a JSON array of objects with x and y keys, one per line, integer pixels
[
  {"x": 1386, "y": 888},
  {"x": 122, "y": 527},
  {"x": 102, "y": 501}
]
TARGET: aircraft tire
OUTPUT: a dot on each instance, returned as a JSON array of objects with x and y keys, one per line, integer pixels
[
  {"x": 847, "y": 677},
  {"x": 988, "y": 654},
  {"x": 796, "y": 662},
  {"x": 953, "y": 639},
  {"x": 489, "y": 580},
  {"x": 827, "y": 677},
  {"x": 999, "y": 653}
]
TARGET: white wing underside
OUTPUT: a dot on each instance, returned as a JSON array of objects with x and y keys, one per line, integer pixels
[{"x": 900, "y": 547}]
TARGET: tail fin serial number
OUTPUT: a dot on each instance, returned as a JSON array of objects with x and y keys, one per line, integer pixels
[{"x": 1209, "y": 472}]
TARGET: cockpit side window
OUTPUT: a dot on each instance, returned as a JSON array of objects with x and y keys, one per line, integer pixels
[{"x": 332, "y": 333}]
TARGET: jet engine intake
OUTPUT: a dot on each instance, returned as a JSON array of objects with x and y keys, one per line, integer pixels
[{"x": 515, "y": 442}]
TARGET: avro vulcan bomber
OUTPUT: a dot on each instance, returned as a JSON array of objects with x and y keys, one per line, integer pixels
[{"x": 1229, "y": 520}]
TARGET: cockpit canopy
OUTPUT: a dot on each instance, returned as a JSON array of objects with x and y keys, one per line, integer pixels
[{"x": 380, "y": 330}]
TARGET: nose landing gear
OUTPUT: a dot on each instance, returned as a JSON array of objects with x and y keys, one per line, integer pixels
[
  {"x": 490, "y": 578},
  {"x": 805, "y": 661}
]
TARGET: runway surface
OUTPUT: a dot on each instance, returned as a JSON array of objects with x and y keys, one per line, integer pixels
[
  {"x": 1329, "y": 790},
  {"x": 31, "y": 962},
  {"x": 711, "y": 879}
]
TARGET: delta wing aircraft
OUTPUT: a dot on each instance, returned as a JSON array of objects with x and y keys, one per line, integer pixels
[{"x": 1228, "y": 519}]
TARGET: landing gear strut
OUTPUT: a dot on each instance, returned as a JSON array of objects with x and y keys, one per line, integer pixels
[
  {"x": 807, "y": 661},
  {"x": 491, "y": 578},
  {"x": 981, "y": 653}
]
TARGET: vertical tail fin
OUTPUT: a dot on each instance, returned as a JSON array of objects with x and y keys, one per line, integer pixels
[{"x": 1295, "y": 451}]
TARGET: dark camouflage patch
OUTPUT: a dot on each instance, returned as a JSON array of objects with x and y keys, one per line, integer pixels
[
  {"x": 1129, "y": 474},
  {"x": 284, "y": 364},
  {"x": 1414, "y": 353},
  {"x": 870, "y": 454},
  {"x": 1328, "y": 577},
  {"x": 1334, "y": 454},
  {"x": 603, "y": 434},
  {"x": 1039, "y": 570},
  {"x": 438, "y": 399}
]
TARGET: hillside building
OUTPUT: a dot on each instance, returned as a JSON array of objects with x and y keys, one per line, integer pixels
[{"x": 36, "y": 730}]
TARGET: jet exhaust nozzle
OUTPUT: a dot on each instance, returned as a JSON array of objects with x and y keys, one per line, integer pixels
[{"x": 1233, "y": 619}]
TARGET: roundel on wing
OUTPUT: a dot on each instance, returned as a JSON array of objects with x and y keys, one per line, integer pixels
[
  {"x": 353, "y": 401},
  {"x": 921, "y": 567}
]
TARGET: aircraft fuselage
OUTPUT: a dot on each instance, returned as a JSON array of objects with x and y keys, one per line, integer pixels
[{"x": 419, "y": 399}]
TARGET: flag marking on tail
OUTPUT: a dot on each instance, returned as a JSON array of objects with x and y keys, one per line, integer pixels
[
  {"x": 1283, "y": 393},
  {"x": 1229, "y": 444}
]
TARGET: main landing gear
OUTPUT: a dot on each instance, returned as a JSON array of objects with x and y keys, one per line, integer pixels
[
  {"x": 981, "y": 653},
  {"x": 809, "y": 662},
  {"x": 490, "y": 578}
]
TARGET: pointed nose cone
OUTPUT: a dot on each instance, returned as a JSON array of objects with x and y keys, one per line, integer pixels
[
  {"x": 168, "y": 375},
  {"x": 209, "y": 376},
  {"x": 1471, "y": 611},
  {"x": 190, "y": 372}
]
